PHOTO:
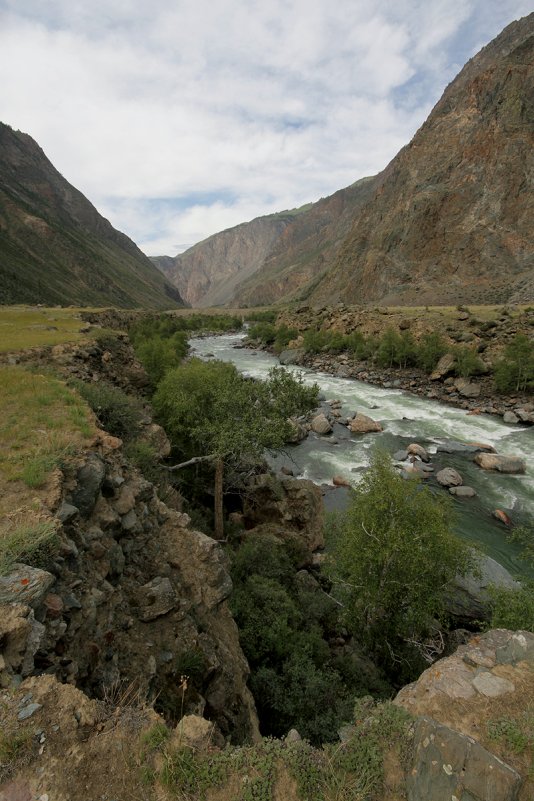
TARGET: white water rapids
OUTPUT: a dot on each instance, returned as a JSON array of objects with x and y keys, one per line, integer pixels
[{"x": 405, "y": 418}]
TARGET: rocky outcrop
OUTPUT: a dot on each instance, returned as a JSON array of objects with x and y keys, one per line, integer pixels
[
  {"x": 287, "y": 507},
  {"x": 130, "y": 594},
  {"x": 450, "y": 219},
  {"x": 55, "y": 247},
  {"x": 459, "y": 702}
]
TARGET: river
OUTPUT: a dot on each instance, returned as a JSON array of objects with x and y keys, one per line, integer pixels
[{"x": 405, "y": 418}]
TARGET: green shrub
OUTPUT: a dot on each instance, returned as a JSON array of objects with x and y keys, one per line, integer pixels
[
  {"x": 118, "y": 413},
  {"x": 513, "y": 609},
  {"x": 29, "y": 544},
  {"x": 467, "y": 362},
  {"x": 264, "y": 332},
  {"x": 393, "y": 554},
  {"x": 515, "y": 371},
  {"x": 431, "y": 348}
]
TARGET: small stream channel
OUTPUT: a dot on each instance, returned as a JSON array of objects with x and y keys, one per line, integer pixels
[{"x": 405, "y": 418}]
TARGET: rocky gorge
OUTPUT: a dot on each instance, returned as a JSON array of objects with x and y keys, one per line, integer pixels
[{"x": 133, "y": 597}]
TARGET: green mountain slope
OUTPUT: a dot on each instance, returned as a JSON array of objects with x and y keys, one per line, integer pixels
[{"x": 55, "y": 248}]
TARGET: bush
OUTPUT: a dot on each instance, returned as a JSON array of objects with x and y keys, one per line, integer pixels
[
  {"x": 118, "y": 413},
  {"x": 264, "y": 332},
  {"x": 393, "y": 555},
  {"x": 431, "y": 348},
  {"x": 513, "y": 609},
  {"x": 515, "y": 371},
  {"x": 467, "y": 362}
]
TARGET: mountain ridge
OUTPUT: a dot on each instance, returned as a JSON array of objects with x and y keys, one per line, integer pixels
[{"x": 56, "y": 248}]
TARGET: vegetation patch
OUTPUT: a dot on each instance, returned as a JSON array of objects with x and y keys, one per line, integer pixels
[{"x": 24, "y": 327}]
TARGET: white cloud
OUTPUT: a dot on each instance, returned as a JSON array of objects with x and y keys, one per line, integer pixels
[{"x": 253, "y": 106}]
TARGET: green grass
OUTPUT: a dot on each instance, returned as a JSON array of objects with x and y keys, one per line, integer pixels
[
  {"x": 24, "y": 327},
  {"x": 32, "y": 544}
]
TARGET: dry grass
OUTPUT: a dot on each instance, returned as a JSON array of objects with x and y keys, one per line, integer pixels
[{"x": 24, "y": 327}]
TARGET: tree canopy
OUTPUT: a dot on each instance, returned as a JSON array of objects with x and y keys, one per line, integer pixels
[{"x": 393, "y": 557}]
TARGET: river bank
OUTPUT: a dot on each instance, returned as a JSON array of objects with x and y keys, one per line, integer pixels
[{"x": 476, "y": 395}]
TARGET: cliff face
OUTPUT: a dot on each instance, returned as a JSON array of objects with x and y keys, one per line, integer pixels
[
  {"x": 56, "y": 248},
  {"x": 452, "y": 215},
  {"x": 269, "y": 259},
  {"x": 207, "y": 273},
  {"x": 306, "y": 247}
]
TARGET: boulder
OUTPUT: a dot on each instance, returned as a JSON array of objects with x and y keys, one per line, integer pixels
[
  {"x": 445, "y": 366},
  {"x": 468, "y": 389},
  {"x": 510, "y": 418},
  {"x": 468, "y": 596},
  {"x": 449, "y": 477},
  {"x": 451, "y": 446},
  {"x": 341, "y": 481},
  {"x": 155, "y": 436},
  {"x": 361, "y": 424},
  {"x": 449, "y": 765},
  {"x": 287, "y": 507},
  {"x": 156, "y": 598},
  {"x": 20, "y": 638},
  {"x": 462, "y": 492},
  {"x": 90, "y": 478},
  {"x": 293, "y": 356},
  {"x": 321, "y": 425},
  {"x": 297, "y": 431},
  {"x": 26, "y": 585},
  {"x": 502, "y": 464},
  {"x": 196, "y": 733},
  {"x": 498, "y": 514},
  {"x": 417, "y": 450}
]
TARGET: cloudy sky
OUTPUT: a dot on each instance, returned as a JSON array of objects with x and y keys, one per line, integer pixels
[{"x": 179, "y": 119}]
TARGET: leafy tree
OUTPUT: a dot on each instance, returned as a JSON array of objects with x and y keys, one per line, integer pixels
[
  {"x": 467, "y": 362},
  {"x": 393, "y": 555},
  {"x": 387, "y": 348},
  {"x": 515, "y": 371},
  {"x": 431, "y": 348},
  {"x": 157, "y": 355},
  {"x": 211, "y": 412}
]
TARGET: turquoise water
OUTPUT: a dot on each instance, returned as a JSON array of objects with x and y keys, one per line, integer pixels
[{"x": 406, "y": 418}]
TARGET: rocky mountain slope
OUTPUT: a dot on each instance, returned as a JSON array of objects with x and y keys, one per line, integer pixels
[
  {"x": 56, "y": 248},
  {"x": 207, "y": 273},
  {"x": 451, "y": 218},
  {"x": 269, "y": 258}
]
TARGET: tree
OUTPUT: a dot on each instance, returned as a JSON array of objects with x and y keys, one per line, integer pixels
[
  {"x": 515, "y": 371},
  {"x": 393, "y": 555},
  {"x": 211, "y": 412}
]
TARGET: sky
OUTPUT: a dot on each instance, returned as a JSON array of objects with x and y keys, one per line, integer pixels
[{"x": 178, "y": 119}]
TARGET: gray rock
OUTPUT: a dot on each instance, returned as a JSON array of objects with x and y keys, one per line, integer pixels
[
  {"x": 362, "y": 424},
  {"x": 156, "y": 598},
  {"x": 415, "y": 449},
  {"x": 492, "y": 686},
  {"x": 462, "y": 492},
  {"x": 502, "y": 464},
  {"x": 27, "y": 711},
  {"x": 445, "y": 365},
  {"x": 90, "y": 478},
  {"x": 293, "y": 356},
  {"x": 468, "y": 597},
  {"x": 26, "y": 585},
  {"x": 451, "y": 446},
  {"x": 321, "y": 425},
  {"x": 510, "y": 417},
  {"x": 66, "y": 512},
  {"x": 468, "y": 389},
  {"x": 448, "y": 765},
  {"x": 449, "y": 477},
  {"x": 400, "y": 456}
]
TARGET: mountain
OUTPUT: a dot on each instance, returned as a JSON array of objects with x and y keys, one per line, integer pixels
[
  {"x": 207, "y": 273},
  {"x": 55, "y": 248},
  {"x": 449, "y": 220},
  {"x": 452, "y": 216},
  {"x": 305, "y": 247}
]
